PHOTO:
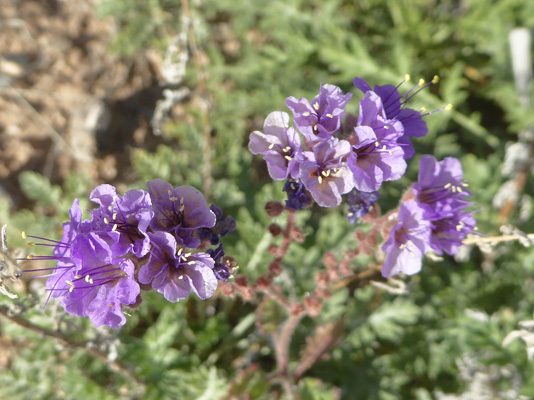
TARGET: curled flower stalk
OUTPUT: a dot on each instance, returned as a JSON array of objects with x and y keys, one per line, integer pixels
[{"x": 157, "y": 239}]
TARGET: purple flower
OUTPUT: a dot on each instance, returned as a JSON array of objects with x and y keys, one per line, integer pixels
[
  {"x": 280, "y": 145},
  {"x": 124, "y": 220},
  {"x": 439, "y": 189},
  {"x": 449, "y": 232},
  {"x": 322, "y": 118},
  {"x": 325, "y": 174},
  {"x": 220, "y": 269},
  {"x": 181, "y": 210},
  {"x": 95, "y": 285},
  {"x": 394, "y": 106},
  {"x": 407, "y": 242},
  {"x": 297, "y": 197},
  {"x": 174, "y": 272},
  {"x": 222, "y": 227},
  {"x": 360, "y": 204},
  {"x": 376, "y": 156}
]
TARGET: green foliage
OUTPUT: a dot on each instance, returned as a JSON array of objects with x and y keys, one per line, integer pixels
[{"x": 391, "y": 346}]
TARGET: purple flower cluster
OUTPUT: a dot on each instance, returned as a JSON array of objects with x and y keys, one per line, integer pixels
[
  {"x": 332, "y": 157},
  {"x": 142, "y": 240},
  {"x": 326, "y": 163},
  {"x": 436, "y": 219}
]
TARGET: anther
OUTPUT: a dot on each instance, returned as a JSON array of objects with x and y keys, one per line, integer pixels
[
  {"x": 407, "y": 77},
  {"x": 448, "y": 185},
  {"x": 29, "y": 257},
  {"x": 329, "y": 115},
  {"x": 288, "y": 158},
  {"x": 77, "y": 277},
  {"x": 377, "y": 144},
  {"x": 320, "y": 179},
  {"x": 435, "y": 79},
  {"x": 421, "y": 82},
  {"x": 287, "y": 148},
  {"x": 172, "y": 198},
  {"x": 459, "y": 188},
  {"x": 31, "y": 244},
  {"x": 182, "y": 208},
  {"x": 386, "y": 126},
  {"x": 114, "y": 228},
  {"x": 106, "y": 221},
  {"x": 24, "y": 236},
  {"x": 271, "y": 146},
  {"x": 114, "y": 216},
  {"x": 187, "y": 255},
  {"x": 448, "y": 107},
  {"x": 71, "y": 289},
  {"x": 181, "y": 277},
  {"x": 191, "y": 262},
  {"x": 180, "y": 251},
  {"x": 316, "y": 106},
  {"x": 87, "y": 278},
  {"x": 424, "y": 109},
  {"x": 69, "y": 282},
  {"x": 306, "y": 114}
]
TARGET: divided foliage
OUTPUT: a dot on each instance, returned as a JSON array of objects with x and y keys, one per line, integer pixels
[{"x": 392, "y": 347}]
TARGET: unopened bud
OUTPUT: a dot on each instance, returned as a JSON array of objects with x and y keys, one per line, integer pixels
[
  {"x": 273, "y": 208},
  {"x": 313, "y": 305},
  {"x": 241, "y": 280},
  {"x": 329, "y": 260},
  {"x": 263, "y": 283},
  {"x": 323, "y": 293},
  {"x": 275, "y": 269},
  {"x": 321, "y": 279},
  {"x": 275, "y": 229}
]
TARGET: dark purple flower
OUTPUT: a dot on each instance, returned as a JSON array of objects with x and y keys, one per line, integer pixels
[
  {"x": 449, "y": 232},
  {"x": 376, "y": 155},
  {"x": 174, "y": 272},
  {"x": 220, "y": 269},
  {"x": 360, "y": 204},
  {"x": 322, "y": 118},
  {"x": 280, "y": 145},
  {"x": 222, "y": 227},
  {"x": 439, "y": 189},
  {"x": 124, "y": 220},
  {"x": 325, "y": 174},
  {"x": 395, "y": 108},
  {"x": 297, "y": 197},
  {"x": 181, "y": 210},
  {"x": 408, "y": 241}
]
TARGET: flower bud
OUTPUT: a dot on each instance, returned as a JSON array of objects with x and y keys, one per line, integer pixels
[{"x": 273, "y": 208}]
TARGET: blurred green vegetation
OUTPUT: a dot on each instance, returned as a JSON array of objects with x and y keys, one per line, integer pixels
[{"x": 393, "y": 347}]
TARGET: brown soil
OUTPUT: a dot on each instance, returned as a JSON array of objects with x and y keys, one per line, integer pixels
[{"x": 66, "y": 102}]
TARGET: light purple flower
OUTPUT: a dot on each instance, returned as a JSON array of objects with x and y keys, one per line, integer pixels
[
  {"x": 174, "y": 272},
  {"x": 180, "y": 210},
  {"x": 440, "y": 189},
  {"x": 123, "y": 219},
  {"x": 96, "y": 285},
  {"x": 408, "y": 241},
  {"x": 395, "y": 108},
  {"x": 449, "y": 232},
  {"x": 325, "y": 173},
  {"x": 280, "y": 145},
  {"x": 322, "y": 118},
  {"x": 376, "y": 155}
]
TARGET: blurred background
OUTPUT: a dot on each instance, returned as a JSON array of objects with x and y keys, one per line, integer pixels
[{"x": 123, "y": 91}]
